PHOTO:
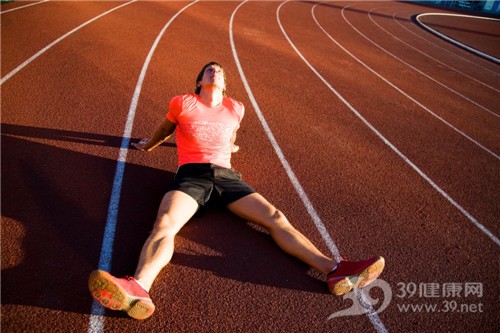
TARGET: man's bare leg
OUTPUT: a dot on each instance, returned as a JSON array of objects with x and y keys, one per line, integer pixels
[
  {"x": 175, "y": 211},
  {"x": 256, "y": 208}
]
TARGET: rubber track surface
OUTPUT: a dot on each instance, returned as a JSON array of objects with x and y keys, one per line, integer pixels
[{"x": 63, "y": 117}]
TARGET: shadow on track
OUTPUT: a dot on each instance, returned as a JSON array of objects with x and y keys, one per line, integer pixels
[
  {"x": 65, "y": 136},
  {"x": 54, "y": 208}
]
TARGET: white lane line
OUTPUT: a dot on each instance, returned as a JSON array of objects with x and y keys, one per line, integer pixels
[
  {"x": 402, "y": 91},
  {"x": 96, "y": 321},
  {"x": 293, "y": 178},
  {"x": 412, "y": 67},
  {"x": 39, "y": 53},
  {"x": 432, "y": 58},
  {"x": 451, "y": 40},
  {"x": 21, "y": 7},
  {"x": 455, "y": 54},
  {"x": 371, "y": 313},
  {"x": 398, "y": 152}
]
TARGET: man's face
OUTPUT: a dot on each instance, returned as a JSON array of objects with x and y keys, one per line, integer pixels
[{"x": 213, "y": 76}]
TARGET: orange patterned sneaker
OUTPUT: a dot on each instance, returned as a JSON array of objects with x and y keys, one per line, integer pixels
[
  {"x": 123, "y": 294},
  {"x": 349, "y": 275}
]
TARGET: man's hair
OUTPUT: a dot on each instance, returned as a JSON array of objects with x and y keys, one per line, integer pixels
[{"x": 200, "y": 77}]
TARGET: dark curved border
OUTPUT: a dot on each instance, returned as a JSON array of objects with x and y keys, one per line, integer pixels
[{"x": 491, "y": 58}]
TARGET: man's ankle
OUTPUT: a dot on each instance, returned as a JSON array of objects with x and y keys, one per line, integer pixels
[{"x": 142, "y": 285}]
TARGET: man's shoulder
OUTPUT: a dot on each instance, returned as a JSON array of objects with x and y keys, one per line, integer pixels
[
  {"x": 235, "y": 105},
  {"x": 185, "y": 100},
  {"x": 185, "y": 97}
]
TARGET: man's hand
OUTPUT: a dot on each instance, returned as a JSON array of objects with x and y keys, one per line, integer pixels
[{"x": 140, "y": 145}]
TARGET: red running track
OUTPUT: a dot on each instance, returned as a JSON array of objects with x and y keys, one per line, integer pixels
[{"x": 391, "y": 133}]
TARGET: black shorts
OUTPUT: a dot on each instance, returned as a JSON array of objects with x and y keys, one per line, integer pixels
[{"x": 199, "y": 180}]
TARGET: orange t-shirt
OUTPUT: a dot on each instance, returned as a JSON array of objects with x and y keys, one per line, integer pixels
[{"x": 204, "y": 134}]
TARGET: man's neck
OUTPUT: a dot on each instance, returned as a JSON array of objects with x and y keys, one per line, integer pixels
[{"x": 211, "y": 97}]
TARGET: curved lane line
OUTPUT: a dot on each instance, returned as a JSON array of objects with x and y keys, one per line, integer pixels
[
  {"x": 413, "y": 67},
  {"x": 288, "y": 169},
  {"x": 434, "y": 59},
  {"x": 393, "y": 148},
  {"x": 453, "y": 41},
  {"x": 372, "y": 315},
  {"x": 21, "y": 7},
  {"x": 363, "y": 301},
  {"x": 442, "y": 48},
  {"x": 421, "y": 105},
  {"x": 39, "y": 53},
  {"x": 96, "y": 321},
  {"x": 400, "y": 90}
]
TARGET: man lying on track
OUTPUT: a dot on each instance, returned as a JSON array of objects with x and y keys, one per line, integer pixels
[{"x": 205, "y": 124}]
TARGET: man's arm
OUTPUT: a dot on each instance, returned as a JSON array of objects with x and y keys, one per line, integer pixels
[{"x": 162, "y": 133}]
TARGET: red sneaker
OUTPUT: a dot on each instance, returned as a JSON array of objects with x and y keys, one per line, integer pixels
[
  {"x": 348, "y": 275},
  {"x": 123, "y": 294}
]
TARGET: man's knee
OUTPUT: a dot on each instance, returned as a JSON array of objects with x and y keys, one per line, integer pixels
[
  {"x": 279, "y": 220},
  {"x": 165, "y": 226}
]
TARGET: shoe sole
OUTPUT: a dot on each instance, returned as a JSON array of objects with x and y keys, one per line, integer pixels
[
  {"x": 114, "y": 297},
  {"x": 367, "y": 276}
]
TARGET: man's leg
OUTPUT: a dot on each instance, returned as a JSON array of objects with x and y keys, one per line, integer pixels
[
  {"x": 256, "y": 208},
  {"x": 175, "y": 211},
  {"x": 342, "y": 277},
  {"x": 131, "y": 294}
]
